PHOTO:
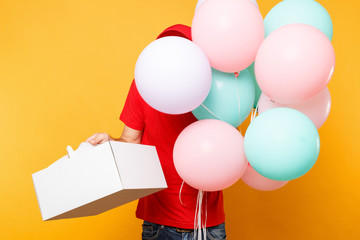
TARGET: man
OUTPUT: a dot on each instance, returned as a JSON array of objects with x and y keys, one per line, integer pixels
[{"x": 165, "y": 215}]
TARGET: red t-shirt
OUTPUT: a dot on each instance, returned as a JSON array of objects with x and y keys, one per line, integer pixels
[{"x": 161, "y": 130}]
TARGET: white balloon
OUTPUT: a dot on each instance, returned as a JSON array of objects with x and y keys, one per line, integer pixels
[
  {"x": 173, "y": 75},
  {"x": 202, "y": 1}
]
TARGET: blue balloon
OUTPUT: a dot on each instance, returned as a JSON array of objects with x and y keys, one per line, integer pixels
[
  {"x": 257, "y": 88},
  {"x": 282, "y": 144},
  {"x": 226, "y": 92},
  {"x": 299, "y": 11}
]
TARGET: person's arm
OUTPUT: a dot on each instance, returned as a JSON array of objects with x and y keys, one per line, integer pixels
[{"x": 128, "y": 135}]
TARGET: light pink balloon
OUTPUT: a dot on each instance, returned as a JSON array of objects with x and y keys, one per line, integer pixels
[
  {"x": 229, "y": 32},
  {"x": 209, "y": 155},
  {"x": 259, "y": 182},
  {"x": 316, "y": 108},
  {"x": 294, "y": 63}
]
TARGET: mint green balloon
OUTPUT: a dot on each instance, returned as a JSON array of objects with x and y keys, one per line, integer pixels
[
  {"x": 257, "y": 88},
  {"x": 222, "y": 102},
  {"x": 282, "y": 144},
  {"x": 299, "y": 11}
]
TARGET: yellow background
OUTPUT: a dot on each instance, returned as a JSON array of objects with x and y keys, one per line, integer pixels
[{"x": 65, "y": 68}]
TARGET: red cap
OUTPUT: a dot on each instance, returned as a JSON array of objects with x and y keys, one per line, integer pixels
[{"x": 177, "y": 30}]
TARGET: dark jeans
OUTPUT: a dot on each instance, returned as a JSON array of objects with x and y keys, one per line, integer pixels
[{"x": 161, "y": 232}]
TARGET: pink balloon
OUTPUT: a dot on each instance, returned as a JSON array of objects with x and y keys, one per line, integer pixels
[
  {"x": 229, "y": 32},
  {"x": 294, "y": 63},
  {"x": 316, "y": 108},
  {"x": 259, "y": 182},
  {"x": 209, "y": 155}
]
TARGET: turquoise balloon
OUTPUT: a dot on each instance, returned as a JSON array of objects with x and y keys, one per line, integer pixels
[
  {"x": 299, "y": 11},
  {"x": 282, "y": 144},
  {"x": 257, "y": 88},
  {"x": 222, "y": 101}
]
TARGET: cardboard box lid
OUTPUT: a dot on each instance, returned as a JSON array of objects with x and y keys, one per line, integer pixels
[{"x": 139, "y": 167}]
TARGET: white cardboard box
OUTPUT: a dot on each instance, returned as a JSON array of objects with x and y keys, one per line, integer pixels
[{"x": 94, "y": 179}]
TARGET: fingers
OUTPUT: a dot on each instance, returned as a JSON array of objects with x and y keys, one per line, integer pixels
[
  {"x": 98, "y": 138},
  {"x": 90, "y": 138}
]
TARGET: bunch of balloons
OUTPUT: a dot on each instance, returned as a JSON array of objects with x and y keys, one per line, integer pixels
[
  {"x": 280, "y": 65},
  {"x": 293, "y": 66}
]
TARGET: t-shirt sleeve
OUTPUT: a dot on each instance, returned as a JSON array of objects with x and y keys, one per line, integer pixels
[{"x": 132, "y": 114}]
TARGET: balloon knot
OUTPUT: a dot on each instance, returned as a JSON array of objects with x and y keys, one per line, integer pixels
[{"x": 236, "y": 74}]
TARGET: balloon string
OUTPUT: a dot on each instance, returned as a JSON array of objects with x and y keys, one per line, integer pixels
[
  {"x": 204, "y": 227},
  {"x": 198, "y": 226},
  {"x": 196, "y": 214},
  {"x": 182, "y": 185},
  {"x": 199, "y": 215},
  {"x": 210, "y": 112}
]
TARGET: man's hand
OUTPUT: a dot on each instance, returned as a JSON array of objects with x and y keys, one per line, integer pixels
[
  {"x": 98, "y": 138},
  {"x": 128, "y": 135}
]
